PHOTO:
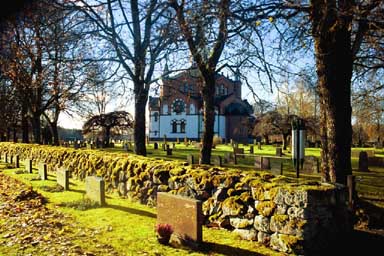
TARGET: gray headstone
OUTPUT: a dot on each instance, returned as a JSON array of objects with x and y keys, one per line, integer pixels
[
  {"x": 169, "y": 151},
  {"x": 363, "y": 161},
  {"x": 279, "y": 151},
  {"x": 17, "y": 161},
  {"x": 190, "y": 159},
  {"x": 276, "y": 167},
  {"x": 6, "y": 157},
  {"x": 251, "y": 150},
  {"x": 155, "y": 145},
  {"x": 28, "y": 165},
  {"x": 62, "y": 177},
  {"x": 217, "y": 161},
  {"x": 95, "y": 189},
  {"x": 43, "y": 171},
  {"x": 311, "y": 165},
  {"x": 262, "y": 163},
  {"x": 183, "y": 214}
]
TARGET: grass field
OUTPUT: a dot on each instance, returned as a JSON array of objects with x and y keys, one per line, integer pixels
[{"x": 129, "y": 226}]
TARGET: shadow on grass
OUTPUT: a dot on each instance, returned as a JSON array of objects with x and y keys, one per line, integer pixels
[
  {"x": 209, "y": 248},
  {"x": 131, "y": 210}
]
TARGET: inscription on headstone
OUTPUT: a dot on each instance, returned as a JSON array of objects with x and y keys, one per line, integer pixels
[
  {"x": 62, "y": 177},
  {"x": 183, "y": 214},
  {"x": 43, "y": 171},
  {"x": 95, "y": 189}
]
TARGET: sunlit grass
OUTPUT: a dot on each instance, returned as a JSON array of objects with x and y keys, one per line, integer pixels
[{"x": 129, "y": 226}]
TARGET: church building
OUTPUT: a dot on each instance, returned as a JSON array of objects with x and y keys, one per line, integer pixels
[{"x": 178, "y": 111}]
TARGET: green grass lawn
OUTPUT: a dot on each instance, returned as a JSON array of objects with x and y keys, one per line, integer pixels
[{"x": 129, "y": 226}]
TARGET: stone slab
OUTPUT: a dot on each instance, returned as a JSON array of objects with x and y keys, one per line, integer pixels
[
  {"x": 28, "y": 165},
  {"x": 183, "y": 214},
  {"x": 95, "y": 189},
  {"x": 62, "y": 177},
  {"x": 43, "y": 171}
]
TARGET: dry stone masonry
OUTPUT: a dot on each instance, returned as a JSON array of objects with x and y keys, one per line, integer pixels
[{"x": 288, "y": 217}]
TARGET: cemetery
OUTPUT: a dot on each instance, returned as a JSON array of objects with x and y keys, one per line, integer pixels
[
  {"x": 177, "y": 127},
  {"x": 260, "y": 205}
]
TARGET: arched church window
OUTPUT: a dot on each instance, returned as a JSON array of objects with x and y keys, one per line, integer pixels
[
  {"x": 182, "y": 126},
  {"x": 174, "y": 126}
]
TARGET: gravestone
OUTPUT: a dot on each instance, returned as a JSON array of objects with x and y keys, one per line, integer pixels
[
  {"x": 262, "y": 163},
  {"x": 62, "y": 177},
  {"x": 239, "y": 152},
  {"x": 251, "y": 150},
  {"x": 276, "y": 167},
  {"x": 230, "y": 158},
  {"x": 311, "y": 165},
  {"x": 43, "y": 171},
  {"x": 17, "y": 161},
  {"x": 363, "y": 161},
  {"x": 6, "y": 157},
  {"x": 11, "y": 159},
  {"x": 164, "y": 146},
  {"x": 279, "y": 151},
  {"x": 217, "y": 161},
  {"x": 28, "y": 165},
  {"x": 169, "y": 151},
  {"x": 155, "y": 146},
  {"x": 95, "y": 189},
  {"x": 190, "y": 159},
  {"x": 183, "y": 214}
]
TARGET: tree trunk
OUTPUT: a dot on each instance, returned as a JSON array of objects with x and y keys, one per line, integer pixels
[
  {"x": 208, "y": 93},
  {"x": 24, "y": 129},
  {"x": 14, "y": 134},
  {"x": 334, "y": 70},
  {"x": 285, "y": 140},
  {"x": 36, "y": 128},
  {"x": 107, "y": 136},
  {"x": 55, "y": 134},
  {"x": 139, "y": 122}
]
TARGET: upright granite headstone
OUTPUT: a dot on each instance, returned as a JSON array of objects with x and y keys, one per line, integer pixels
[
  {"x": 62, "y": 177},
  {"x": 43, "y": 171},
  {"x": 155, "y": 145},
  {"x": 217, "y": 161},
  {"x": 276, "y": 167},
  {"x": 95, "y": 189},
  {"x": 279, "y": 151},
  {"x": 311, "y": 165},
  {"x": 17, "y": 161},
  {"x": 190, "y": 159},
  {"x": 251, "y": 149},
  {"x": 262, "y": 163},
  {"x": 28, "y": 165},
  {"x": 363, "y": 161},
  {"x": 183, "y": 214}
]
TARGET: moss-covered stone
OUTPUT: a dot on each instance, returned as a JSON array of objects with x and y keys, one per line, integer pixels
[{"x": 266, "y": 208}]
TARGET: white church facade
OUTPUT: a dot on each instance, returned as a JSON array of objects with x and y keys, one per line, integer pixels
[{"x": 177, "y": 112}]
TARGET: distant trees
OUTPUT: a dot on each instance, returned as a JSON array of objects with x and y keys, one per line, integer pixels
[{"x": 107, "y": 123}]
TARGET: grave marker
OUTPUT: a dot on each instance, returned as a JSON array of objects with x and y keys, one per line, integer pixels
[
  {"x": 43, "y": 171},
  {"x": 62, "y": 177},
  {"x": 183, "y": 214},
  {"x": 155, "y": 146},
  {"x": 190, "y": 159},
  {"x": 95, "y": 189},
  {"x": 311, "y": 165},
  {"x": 363, "y": 161},
  {"x": 262, "y": 163},
  {"x": 279, "y": 151},
  {"x": 276, "y": 167},
  {"x": 28, "y": 165},
  {"x": 6, "y": 157},
  {"x": 217, "y": 161},
  {"x": 251, "y": 149},
  {"x": 17, "y": 161}
]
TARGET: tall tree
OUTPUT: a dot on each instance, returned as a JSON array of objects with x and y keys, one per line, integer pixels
[
  {"x": 206, "y": 17},
  {"x": 137, "y": 33}
]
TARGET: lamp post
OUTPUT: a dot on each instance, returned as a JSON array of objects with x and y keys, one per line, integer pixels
[{"x": 298, "y": 144}]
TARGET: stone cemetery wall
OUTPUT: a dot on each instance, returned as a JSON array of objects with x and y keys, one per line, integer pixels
[{"x": 288, "y": 217}]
